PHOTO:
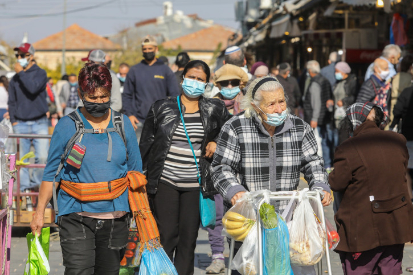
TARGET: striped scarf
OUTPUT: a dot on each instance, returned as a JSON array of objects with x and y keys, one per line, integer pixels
[{"x": 138, "y": 202}]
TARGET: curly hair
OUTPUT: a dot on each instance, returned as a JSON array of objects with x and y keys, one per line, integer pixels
[{"x": 94, "y": 76}]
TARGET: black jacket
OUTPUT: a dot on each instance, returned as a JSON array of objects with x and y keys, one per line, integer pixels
[
  {"x": 404, "y": 110},
  {"x": 325, "y": 94},
  {"x": 350, "y": 87},
  {"x": 368, "y": 90},
  {"x": 160, "y": 125}
]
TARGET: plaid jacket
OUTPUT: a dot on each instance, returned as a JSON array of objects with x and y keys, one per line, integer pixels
[{"x": 248, "y": 158}]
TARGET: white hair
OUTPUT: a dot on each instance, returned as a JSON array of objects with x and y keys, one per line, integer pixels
[
  {"x": 391, "y": 50},
  {"x": 270, "y": 86},
  {"x": 313, "y": 66},
  {"x": 333, "y": 57}
]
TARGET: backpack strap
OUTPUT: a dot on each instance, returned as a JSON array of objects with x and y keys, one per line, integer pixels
[
  {"x": 80, "y": 130},
  {"x": 118, "y": 124}
]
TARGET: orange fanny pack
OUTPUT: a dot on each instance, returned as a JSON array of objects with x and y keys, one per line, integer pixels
[{"x": 138, "y": 201}]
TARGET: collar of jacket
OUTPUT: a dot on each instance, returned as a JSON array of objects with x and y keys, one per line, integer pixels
[
  {"x": 287, "y": 125},
  {"x": 366, "y": 126}
]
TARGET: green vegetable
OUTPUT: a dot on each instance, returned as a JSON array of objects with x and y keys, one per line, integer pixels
[{"x": 268, "y": 216}]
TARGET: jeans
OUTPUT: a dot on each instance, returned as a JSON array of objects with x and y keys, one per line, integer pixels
[
  {"x": 216, "y": 240},
  {"x": 329, "y": 139},
  {"x": 41, "y": 147},
  {"x": 92, "y": 246}
]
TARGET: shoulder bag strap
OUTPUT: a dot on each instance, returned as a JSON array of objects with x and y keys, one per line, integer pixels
[{"x": 189, "y": 141}]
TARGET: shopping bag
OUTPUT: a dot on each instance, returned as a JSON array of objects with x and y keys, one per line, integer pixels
[
  {"x": 307, "y": 237},
  {"x": 239, "y": 219},
  {"x": 132, "y": 256},
  {"x": 276, "y": 251},
  {"x": 37, "y": 262},
  {"x": 156, "y": 262},
  {"x": 332, "y": 235},
  {"x": 207, "y": 211},
  {"x": 246, "y": 260}
]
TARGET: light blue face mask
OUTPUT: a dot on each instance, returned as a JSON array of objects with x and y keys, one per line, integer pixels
[
  {"x": 275, "y": 119},
  {"x": 23, "y": 62},
  {"x": 73, "y": 84},
  {"x": 230, "y": 93},
  {"x": 122, "y": 79},
  {"x": 193, "y": 88},
  {"x": 338, "y": 76}
]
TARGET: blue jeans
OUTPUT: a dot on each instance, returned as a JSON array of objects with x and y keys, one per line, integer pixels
[
  {"x": 41, "y": 147},
  {"x": 329, "y": 140}
]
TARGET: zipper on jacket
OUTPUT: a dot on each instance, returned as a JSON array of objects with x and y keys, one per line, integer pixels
[{"x": 272, "y": 142}]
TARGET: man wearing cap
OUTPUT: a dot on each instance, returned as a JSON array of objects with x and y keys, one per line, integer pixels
[
  {"x": 148, "y": 81},
  {"x": 235, "y": 55},
  {"x": 99, "y": 56},
  {"x": 28, "y": 110},
  {"x": 69, "y": 98},
  {"x": 375, "y": 217},
  {"x": 181, "y": 60}
]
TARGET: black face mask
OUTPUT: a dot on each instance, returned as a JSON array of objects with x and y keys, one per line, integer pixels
[
  {"x": 109, "y": 64},
  {"x": 149, "y": 56},
  {"x": 96, "y": 109}
]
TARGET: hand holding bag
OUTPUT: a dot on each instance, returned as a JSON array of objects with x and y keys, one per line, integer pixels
[{"x": 206, "y": 204}]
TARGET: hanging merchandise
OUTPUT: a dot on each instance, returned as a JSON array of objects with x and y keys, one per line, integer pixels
[{"x": 399, "y": 29}]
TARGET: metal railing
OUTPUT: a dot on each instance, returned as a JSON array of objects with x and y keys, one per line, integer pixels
[{"x": 18, "y": 194}]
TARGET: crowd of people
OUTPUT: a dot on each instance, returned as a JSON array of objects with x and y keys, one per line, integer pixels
[{"x": 243, "y": 127}]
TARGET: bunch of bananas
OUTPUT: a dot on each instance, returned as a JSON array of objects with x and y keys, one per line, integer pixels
[{"x": 236, "y": 225}]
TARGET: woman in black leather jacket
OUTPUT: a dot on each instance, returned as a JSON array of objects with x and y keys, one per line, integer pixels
[{"x": 170, "y": 166}]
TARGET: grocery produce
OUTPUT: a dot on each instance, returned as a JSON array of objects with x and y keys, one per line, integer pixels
[
  {"x": 237, "y": 226},
  {"x": 333, "y": 239},
  {"x": 275, "y": 242}
]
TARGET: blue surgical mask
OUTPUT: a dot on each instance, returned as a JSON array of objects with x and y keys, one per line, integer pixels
[
  {"x": 193, "y": 88},
  {"x": 23, "y": 62},
  {"x": 339, "y": 76},
  {"x": 230, "y": 93},
  {"x": 73, "y": 84},
  {"x": 275, "y": 119},
  {"x": 122, "y": 79}
]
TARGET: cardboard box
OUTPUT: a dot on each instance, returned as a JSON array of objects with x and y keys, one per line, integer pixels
[{"x": 27, "y": 216}]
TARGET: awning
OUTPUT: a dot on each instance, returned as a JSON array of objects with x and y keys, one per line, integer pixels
[
  {"x": 291, "y": 6},
  {"x": 280, "y": 26},
  {"x": 387, "y": 3}
]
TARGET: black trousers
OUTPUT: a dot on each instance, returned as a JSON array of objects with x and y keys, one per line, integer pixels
[
  {"x": 178, "y": 219},
  {"x": 92, "y": 246}
]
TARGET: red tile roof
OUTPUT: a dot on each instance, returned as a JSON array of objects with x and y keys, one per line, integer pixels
[
  {"x": 77, "y": 38},
  {"x": 206, "y": 39}
]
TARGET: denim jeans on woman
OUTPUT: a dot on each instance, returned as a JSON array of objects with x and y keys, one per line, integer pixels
[{"x": 41, "y": 147}]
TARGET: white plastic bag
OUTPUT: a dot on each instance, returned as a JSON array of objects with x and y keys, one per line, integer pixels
[
  {"x": 240, "y": 219},
  {"x": 318, "y": 139},
  {"x": 307, "y": 236},
  {"x": 246, "y": 259}
]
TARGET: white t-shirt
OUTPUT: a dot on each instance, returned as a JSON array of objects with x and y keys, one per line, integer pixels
[{"x": 4, "y": 97}]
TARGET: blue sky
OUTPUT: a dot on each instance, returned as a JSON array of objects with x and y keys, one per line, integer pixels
[{"x": 99, "y": 16}]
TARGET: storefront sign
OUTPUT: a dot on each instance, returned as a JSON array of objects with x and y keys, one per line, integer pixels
[{"x": 362, "y": 56}]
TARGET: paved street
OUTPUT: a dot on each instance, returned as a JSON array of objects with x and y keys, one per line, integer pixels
[{"x": 202, "y": 258}]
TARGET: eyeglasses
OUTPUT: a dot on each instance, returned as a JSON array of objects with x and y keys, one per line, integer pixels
[
  {"x": 23, "y": 55},
  {"x": 226, "y": 83}
]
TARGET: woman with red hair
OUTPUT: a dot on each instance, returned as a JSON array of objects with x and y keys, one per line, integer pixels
[{"x": 93, "y": 232}]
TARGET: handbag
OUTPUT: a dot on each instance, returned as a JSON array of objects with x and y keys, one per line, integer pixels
[{"x": 206, "y": 204}]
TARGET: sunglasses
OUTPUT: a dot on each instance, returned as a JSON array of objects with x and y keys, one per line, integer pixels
[
  {"x": 23, "y": 55},
  {"x": 226, "y": 83}
]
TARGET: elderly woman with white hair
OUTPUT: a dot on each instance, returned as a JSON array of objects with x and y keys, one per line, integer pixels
[{"x": 266, "y": 147}]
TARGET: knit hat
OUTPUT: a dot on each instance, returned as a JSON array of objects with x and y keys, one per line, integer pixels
[
  {"x": 256, "y": 65},
  {"x": 358, "y": 112},
  {"x": 261, "y": 70},
  {"x": 229, "y": 71},
  {"x": 343, "y": 67}
]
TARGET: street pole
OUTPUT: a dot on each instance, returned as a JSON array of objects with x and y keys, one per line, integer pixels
[{"x": 63, "y": 69}]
